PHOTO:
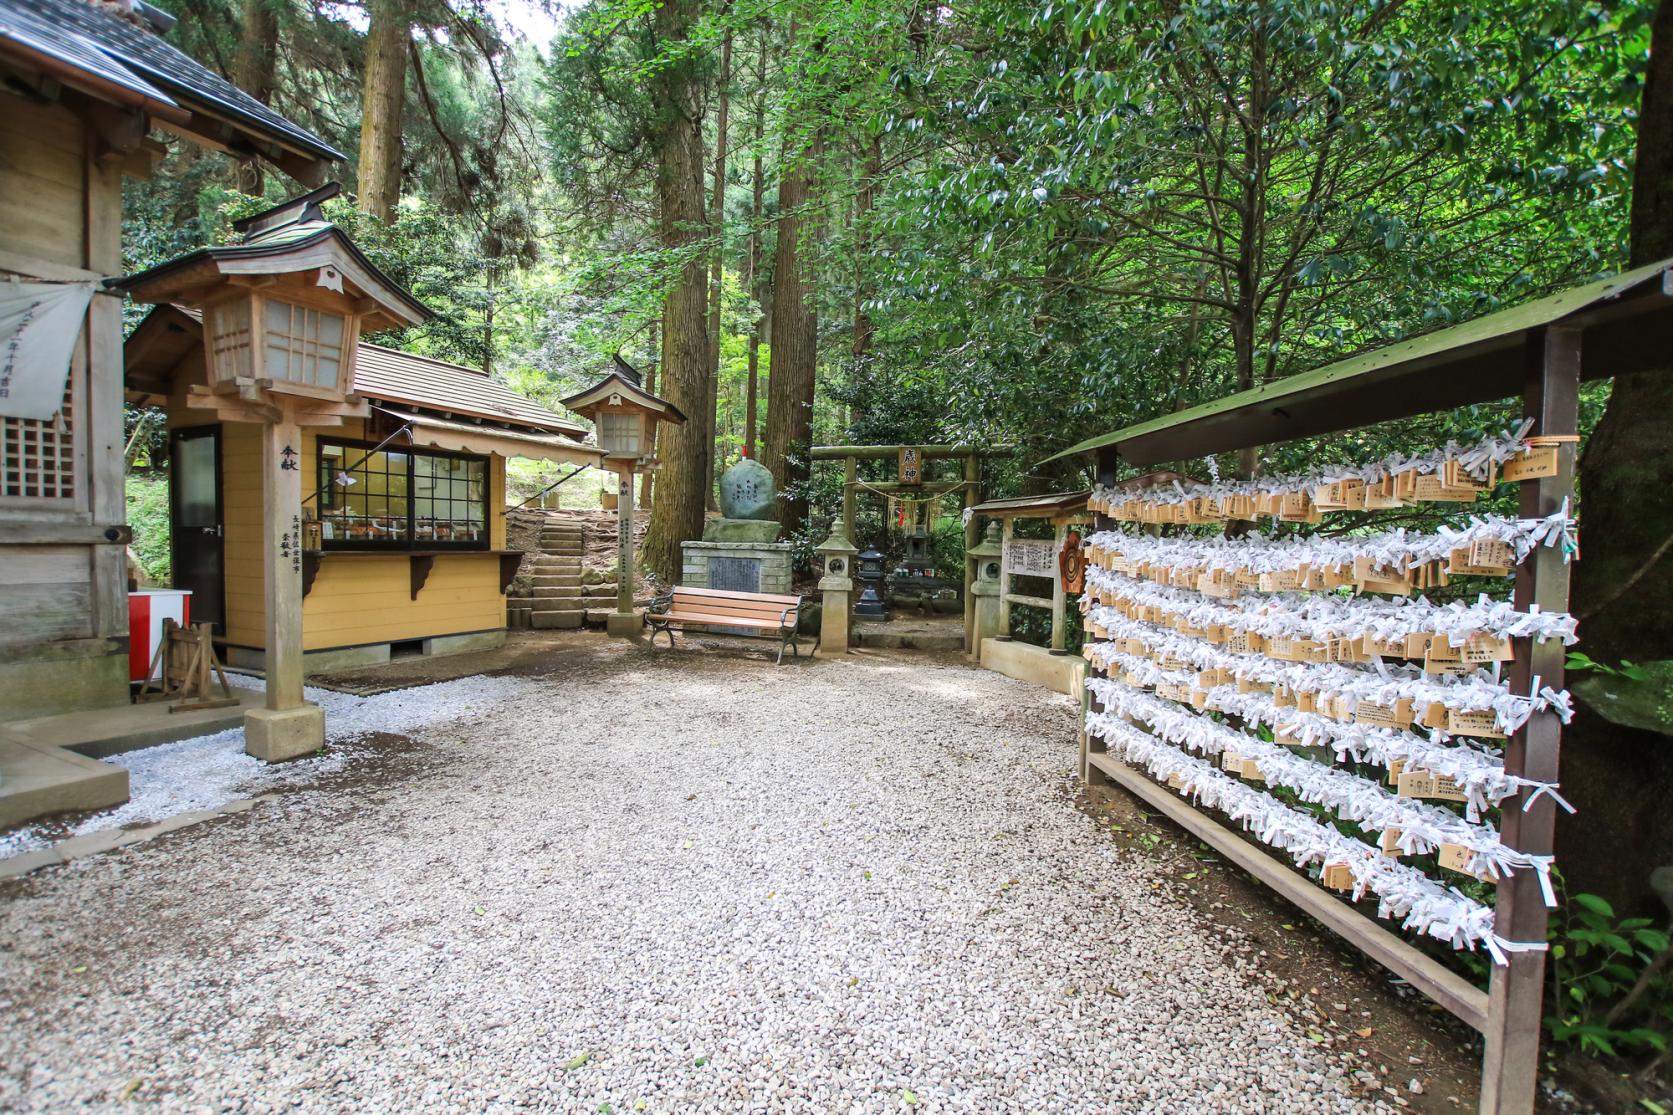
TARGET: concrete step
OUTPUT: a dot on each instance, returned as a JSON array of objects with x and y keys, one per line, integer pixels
[
  {"x": 549, "y": 539},
  {"x": 567, "y": 579},
  {"x": 555, "y": 619},
  {"x": 574, "y": 551},
  {"x": 552, "y": 593}
]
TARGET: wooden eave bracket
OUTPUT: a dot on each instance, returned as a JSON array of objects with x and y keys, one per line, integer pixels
[{"x": 421, "y": 565}]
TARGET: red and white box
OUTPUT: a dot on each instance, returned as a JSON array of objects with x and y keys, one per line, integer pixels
[{"x": 147, "y": 609}]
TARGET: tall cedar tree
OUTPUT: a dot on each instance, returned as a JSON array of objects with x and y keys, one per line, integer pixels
[
  {"x": 253, "y": 72},
  {"x": 381, "y": 103},
  {"x": 1617, "y": 777},
  {"x": 677, "y": 513},
  {"x": 795, "y": 330},
  {"x": 717, "y": 217}
]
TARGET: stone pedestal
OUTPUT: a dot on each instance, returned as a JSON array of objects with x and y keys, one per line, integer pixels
[
  {"x": 739, "y": 566},
  {"x": 274, "y": 735},
  {"x": 987, "y": 610},
  {"x": 836, "y": 599},
  {"x": 624, "y": 625}
]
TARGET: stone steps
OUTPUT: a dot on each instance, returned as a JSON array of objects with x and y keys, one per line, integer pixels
[{"x": 555, "y": 597}]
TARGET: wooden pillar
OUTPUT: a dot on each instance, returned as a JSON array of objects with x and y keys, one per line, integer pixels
[
  {"x": 850, "y": 484},
  {"x": 1510, "y": 1068},
  {"x": 1059, "y": 598},
  {"x": 1007, "y": 531},
  {"x": 624, "y": 541},
  {"x": 972, "y": 496},
  {"x": 281, "y": 499},
  {"x": 288, "y": 726},
  {"x": 1090, "y": 774}
]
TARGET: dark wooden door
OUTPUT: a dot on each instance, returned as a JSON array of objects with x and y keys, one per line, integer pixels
[{"x": 195, "y": 520}]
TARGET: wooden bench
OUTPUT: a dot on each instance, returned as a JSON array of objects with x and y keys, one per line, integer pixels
[{"x": 768, "y": 613}]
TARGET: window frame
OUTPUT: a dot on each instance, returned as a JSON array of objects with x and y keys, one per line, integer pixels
[{"x": 355, "y": 449}]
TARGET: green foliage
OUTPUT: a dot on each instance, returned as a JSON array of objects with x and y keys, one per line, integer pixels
[
  {"x": 148, "y": 515},
  {"x": 1596, "y": 959}
]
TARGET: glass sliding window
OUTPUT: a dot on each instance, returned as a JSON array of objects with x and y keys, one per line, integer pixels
[
  {"x": 303, "y": 345},
  {"x": 450, "y": 498},
  {"x": 402, "y": 500}
]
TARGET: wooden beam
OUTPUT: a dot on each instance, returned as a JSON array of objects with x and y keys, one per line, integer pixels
[
  {"x": 1510, "y": 1069},
  {"x": 878, "y": 452},
  {"x": 1428, "y": 975},
  {"x": 1059, "y": 599},
  {"x": 972, "y": 494}
]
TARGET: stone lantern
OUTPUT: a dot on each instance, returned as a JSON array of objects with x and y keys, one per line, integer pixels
[
  {"x": 836, "y": 583},
  {"x": 989, "y": 559},
  {"x": 283, "y": 311},
  {"x": 871, "y": 606},
  {"x": 625, "y": 417}
]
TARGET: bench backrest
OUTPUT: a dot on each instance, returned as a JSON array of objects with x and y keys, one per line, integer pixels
[{"x": 742, "y": 605}]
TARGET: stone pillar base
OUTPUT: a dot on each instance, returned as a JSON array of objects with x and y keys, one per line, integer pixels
[
  {"x": 274, "y": 735},
  {"x": 624, "y": 625},
  {"x": 833, "y": 623}
]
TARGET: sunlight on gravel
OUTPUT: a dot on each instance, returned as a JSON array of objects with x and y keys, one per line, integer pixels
[{"x": 683, "y": 884}]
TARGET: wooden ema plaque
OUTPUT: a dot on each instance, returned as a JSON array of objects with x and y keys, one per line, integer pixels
[
  {"x": 1423, "y": 784},
  {"x": 1288, "y": 580},
  {"x": 1395, "y": 769},
  {"x": 1337, "y": 877},
  {"x": 1475, "y": 722},
  {"x": 1371, "y": 577},
  {"x": 1398, "y": 715},
  {"x": 1389, "y": 843},
  {"x": 1534, "y": 463},
  {"x": 1456, "y": 857},
  {"x": 1231, "y": 760},
  {"x": 1434, "y": 489}
]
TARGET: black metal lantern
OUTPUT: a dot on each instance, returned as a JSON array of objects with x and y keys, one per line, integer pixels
[{"x": 870, "y": 605}]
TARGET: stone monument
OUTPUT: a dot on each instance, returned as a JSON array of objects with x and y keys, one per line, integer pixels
[{"x": 741, "y": 551}]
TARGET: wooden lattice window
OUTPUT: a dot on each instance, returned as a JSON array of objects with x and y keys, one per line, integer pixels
[
  {"x": 38, "y": 455},
  {"x": 229, "y": 337}
]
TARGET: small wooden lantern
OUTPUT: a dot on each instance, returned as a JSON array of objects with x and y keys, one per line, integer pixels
[
  {"x": 283, "y": 310},
  {"x": 625, "y": 416}
]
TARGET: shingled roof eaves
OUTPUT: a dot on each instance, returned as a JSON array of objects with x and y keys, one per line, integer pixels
[
  {"x": 39, "y": 38},
  {"x": 157, "y": 62}
]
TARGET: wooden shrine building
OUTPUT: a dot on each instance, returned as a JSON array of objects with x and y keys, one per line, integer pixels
[
  {"x": 83, "y": 93},
  {"x": 402, "y": 513}
]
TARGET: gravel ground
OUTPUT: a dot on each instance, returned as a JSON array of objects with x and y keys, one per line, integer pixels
[{"x": 673, "y": 882}]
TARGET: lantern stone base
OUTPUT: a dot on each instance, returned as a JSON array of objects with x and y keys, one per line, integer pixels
[
  {"x": 274, "y": 735},
  {"x": 833, "y": 617},
  {"x": 624, "y": 625}
]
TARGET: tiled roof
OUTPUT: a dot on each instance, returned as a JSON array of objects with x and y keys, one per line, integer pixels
[{"x": 114, "y": 50}]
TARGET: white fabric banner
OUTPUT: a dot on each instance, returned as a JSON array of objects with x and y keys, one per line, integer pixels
[{"x": 39, "y": 324}]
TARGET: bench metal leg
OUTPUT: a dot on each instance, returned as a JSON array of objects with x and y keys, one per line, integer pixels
[
  {"x": 787, "y": 639},
  {"x": 666, "y": 629}
]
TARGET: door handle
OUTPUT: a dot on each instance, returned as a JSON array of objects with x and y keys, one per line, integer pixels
[{"x": 215, "y": 530}]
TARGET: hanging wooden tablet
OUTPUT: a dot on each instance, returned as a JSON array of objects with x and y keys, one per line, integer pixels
[
  {"x": 1252, "y": 771},
  {"x": 1389, "y": 843},
  {"x": 1424, "y": 784},
  {"x": 1395, "y": 769},
  {"x": 1456, "y": 857},
  {"x": 1338, "y": 877},
  {"x": 1487, "y": 648},
  {"x": 1481, "y": 723},
  {"x": 1231, "y": 760},
  {"x": 1532, "y": 463}
]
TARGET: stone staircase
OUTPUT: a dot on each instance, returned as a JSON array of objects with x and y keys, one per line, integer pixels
[{"x": 559, "y": 592}]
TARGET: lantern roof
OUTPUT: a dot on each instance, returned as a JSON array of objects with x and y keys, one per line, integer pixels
[
  {"x": 286, "y": 239},
  {"x": 626, "y": 386}
]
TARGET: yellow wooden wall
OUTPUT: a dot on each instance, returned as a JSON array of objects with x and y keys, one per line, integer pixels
[{"x": 356, "y": 598}]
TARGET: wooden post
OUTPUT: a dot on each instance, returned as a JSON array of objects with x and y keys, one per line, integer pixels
[
  {"x": 850, "y": 482},
  {"x": 1510, "y": 1069},
  {"x": 1007, "y": 531},
  {"x": 1089, "y": 746},
  {"x": 624, "y": 541},
  {"x": 281, "y": 497},
  {"x": 1059, "y": 599},
  {"x": 972, "y": 496},
  {"x": 288, "y": 726}
]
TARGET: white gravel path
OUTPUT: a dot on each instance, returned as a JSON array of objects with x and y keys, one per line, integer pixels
[{"x": 680, "y": 883}]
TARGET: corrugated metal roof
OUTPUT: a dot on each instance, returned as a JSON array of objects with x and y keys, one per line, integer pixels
[
  {"x": 400, "y": 377},
  {"x": 1477, "y": 361},
  {"x": 77, "y": 29}
]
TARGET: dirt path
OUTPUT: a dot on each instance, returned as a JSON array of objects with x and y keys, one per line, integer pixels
[{"x": 679, "y": 882}]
